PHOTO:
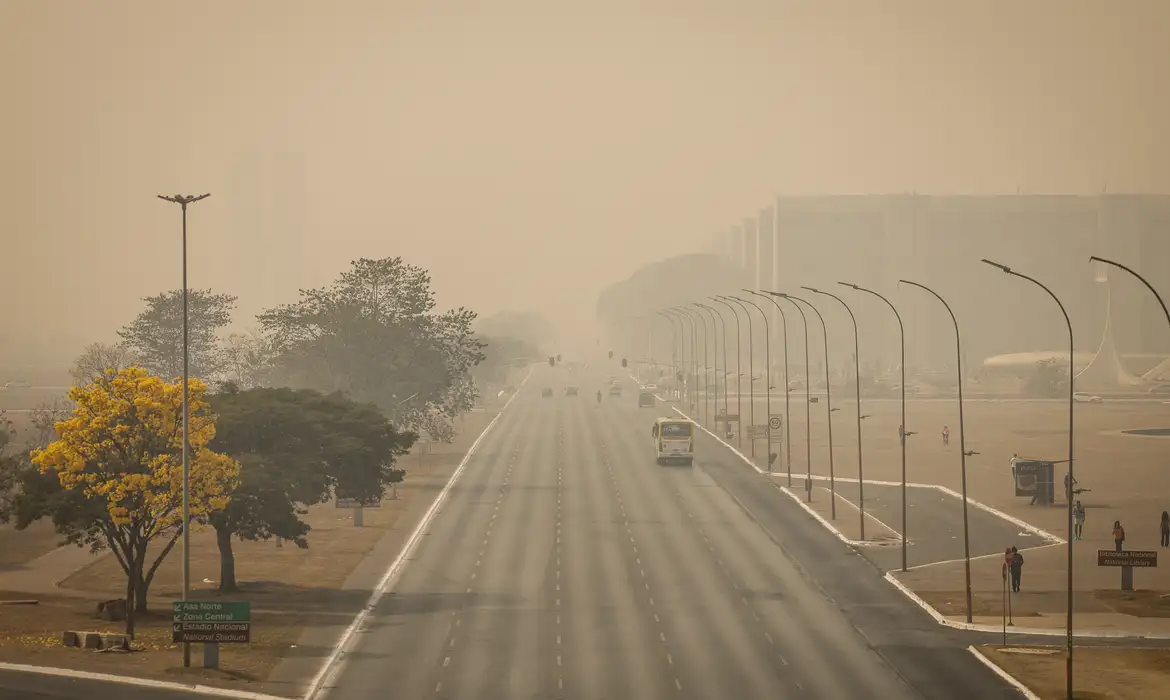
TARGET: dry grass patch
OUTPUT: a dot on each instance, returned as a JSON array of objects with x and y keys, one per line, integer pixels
[
  {"x": 290, "y": 590},
  {"x": 19, "y": 547},
  {"x": 1099, "y": 673},
  {"x": 1136, "y": 603}
]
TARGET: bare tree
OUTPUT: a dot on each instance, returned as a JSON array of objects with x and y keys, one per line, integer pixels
[
  {"x": 97, "y": 358},
  {"x": 248, "y": 359}
]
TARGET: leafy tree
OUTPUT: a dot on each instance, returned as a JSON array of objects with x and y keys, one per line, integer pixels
[
  {"x": 501, "y": 353},
  {"x": 526, "y": 326},
  {"x": 156, "y": 335},
  {"x": 296, "y": 447},
  {"x": 373, "y": 334},
  {"x": 96, "y": 358},
  {"x": 113, "y": 477},
  {"x": 248, "y": 359}
]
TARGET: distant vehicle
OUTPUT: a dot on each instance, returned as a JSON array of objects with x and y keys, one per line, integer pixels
[
  {"x": 615, "y": 390},
  {"x": 1086, "y": 398},
  {"x": 546, "y": 393},
  {"x": 571, "y": 391},
  {"x": 674, "y": 441},
  {"x": 17, "y": 384},
  {"x": 646, "y": 399},
  {"x": 650, "y": 387}
]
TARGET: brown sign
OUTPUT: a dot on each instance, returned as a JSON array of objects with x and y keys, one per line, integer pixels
[{"x": 1137, "y": 559}]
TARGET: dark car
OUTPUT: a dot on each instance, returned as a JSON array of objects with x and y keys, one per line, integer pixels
[
  {"x": 571, "y": 391},
  {"x": 546, "y": 393}
]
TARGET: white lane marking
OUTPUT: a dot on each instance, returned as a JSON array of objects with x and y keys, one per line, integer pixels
[{"x": 331, "y": 667}]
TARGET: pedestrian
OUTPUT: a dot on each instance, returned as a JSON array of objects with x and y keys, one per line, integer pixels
[
  {"x": 1118, "y": 535},
  {"x": 1017, "y": 569},
  {"x": 1165, "y": 529},
  {"x": 1078, "y": 519},
  {"x": 946, "y": 436}
]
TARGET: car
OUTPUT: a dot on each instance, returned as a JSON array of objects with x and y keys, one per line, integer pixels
[
  {"x": 1086, "y": 398},
  {"x": 650, "y": 387},
  {"x": 615, "y": 390},
  {"x": 546, "y": 393},
  {"x": 571, "y": 391}
]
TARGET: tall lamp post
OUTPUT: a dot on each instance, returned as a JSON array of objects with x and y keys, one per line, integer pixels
[
  {"x": 1140, "y": 278},
  {"x": 787, "y": 391},
  {"x": 828, "y": 405},
  {"x": 857, "y": 385},
  {"x": 751, "y": 373},
  {"x": 692, "y": 385},
  {"x": 183, "y": 201},
  {"x": 962, "y": 438},
  {"x": 807, "y": 400},
  {"x": 674, "y": 347},
  {"x": 767, "y": 377},
  {"x": 715, "y": 314},
  {"x": 690, "y": 314},
  {"x": 738, "y": 370},
  {"x": 709, "y": 393},
  {"x": 902, "y": 432},
  {"x": 1068, "y": 667}
]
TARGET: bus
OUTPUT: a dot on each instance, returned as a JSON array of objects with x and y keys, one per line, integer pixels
[{"x": 674, "y": 441}]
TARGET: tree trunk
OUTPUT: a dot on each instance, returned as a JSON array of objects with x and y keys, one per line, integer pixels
[
  {"x": 227, "y": 561},
  {"x": 131, "y": 581},
  {"x": 140, "y": 594}
]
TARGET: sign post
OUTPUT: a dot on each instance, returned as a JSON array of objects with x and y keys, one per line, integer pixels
[
  {"x": 211, "y": 624},
  {"x": 358, "y": 506},
  {"x": 1127, "y": 560}
]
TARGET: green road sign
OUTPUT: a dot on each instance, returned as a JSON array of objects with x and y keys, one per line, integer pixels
[{"x": 199, "y": 622}]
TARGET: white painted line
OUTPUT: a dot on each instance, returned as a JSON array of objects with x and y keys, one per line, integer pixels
[
  {"x": 996, "y": 555},
  {"x": 141, "y": 682},
  {"x": 1009, "y": 678},
  {"x": 334, "y": 663},
  {"x": 825, "y": 523}
]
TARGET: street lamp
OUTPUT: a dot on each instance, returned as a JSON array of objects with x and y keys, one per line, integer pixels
[
  {"x": 1140, "y": 278},
  {"x": 902, "y": 432},
  {"x": 751, "y": 376},
  {"x": 709, "y": 394},
  {"x": 1068, "y": 671},
  {"x": 738, "y": 370},
  {"x": 807, "y": 400},
  {"x": 694, "y": 393},
  {"x": 183, "y": 201},
  {"x": 828, "y": 406},
  {"x": 962, "y": 438},
  {"x": 787, "y": 391},
  {"x": 857, "y": 384},
  {"x": 674, "y": 349},
  {"x": 716, "y": 314},
  {"x": 767, "y": 379}
]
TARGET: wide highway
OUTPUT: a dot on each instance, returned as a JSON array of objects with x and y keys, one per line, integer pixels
[{"x": 565, "y": 563}]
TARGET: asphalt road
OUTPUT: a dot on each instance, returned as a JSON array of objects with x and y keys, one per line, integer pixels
[{"x": 567, "y": 564}]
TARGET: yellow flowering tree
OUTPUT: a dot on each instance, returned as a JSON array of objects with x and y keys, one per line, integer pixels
[{"x": 118, "y": 464}]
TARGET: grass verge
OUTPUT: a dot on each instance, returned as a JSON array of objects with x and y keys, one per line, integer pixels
[
  {"x": 1099, "y": 673},
  {"x": 290, "y": 590}
]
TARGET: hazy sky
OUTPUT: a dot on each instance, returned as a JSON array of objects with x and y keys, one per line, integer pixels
[{"x": 527, "y": 153}]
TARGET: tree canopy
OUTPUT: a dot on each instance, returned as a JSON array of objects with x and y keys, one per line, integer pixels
[
  {"x": 156, "y": 335},
  {"x": 113, "y": 477},
  {"x": 96, "y": 358},
  {"x": 296, "y": 448},
  {"x": 374, "y": 335}
]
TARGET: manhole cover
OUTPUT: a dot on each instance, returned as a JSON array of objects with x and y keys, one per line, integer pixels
[{"x": 1149, "y": 432}]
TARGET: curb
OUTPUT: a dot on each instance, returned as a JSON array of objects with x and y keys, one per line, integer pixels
[
  {"x": 1007, "y": 677},
  {"x": 140, "y": 682},
  {"x": 914, "y": 597}
]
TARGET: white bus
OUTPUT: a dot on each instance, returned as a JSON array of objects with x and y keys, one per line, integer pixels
[{"x": 674, "y": 441}]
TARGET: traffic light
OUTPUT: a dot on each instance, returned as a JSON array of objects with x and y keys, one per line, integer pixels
[
  {"x": 552, "y": 361},
  {"x": 558, "y": 358},
  {"x": 623, "y": 362},
  {"x": 611, "y": 354}
]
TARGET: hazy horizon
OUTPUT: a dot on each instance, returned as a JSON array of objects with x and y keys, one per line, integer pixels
[{"x": 527, "y": 156}]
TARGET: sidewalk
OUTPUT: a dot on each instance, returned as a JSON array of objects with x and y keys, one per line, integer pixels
[{"x": 45, "y": 573}]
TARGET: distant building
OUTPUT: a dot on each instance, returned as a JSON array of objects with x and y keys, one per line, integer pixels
[{"x": 938, "y": 241}]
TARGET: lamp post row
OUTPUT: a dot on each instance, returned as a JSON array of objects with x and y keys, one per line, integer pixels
[{"x": 731, "y": 302}]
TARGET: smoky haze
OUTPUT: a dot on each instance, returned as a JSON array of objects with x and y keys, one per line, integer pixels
[{"x": 528, "y": 154}]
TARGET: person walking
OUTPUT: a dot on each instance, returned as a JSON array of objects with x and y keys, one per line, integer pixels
[
  {"x": 1078, "y": 519},
  {"x": 1017, "y": 568},
  {"x": 1118, "y": 535},
  {"x": 946, "y": 434},
  {"x": 1165, "y": 528}
]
